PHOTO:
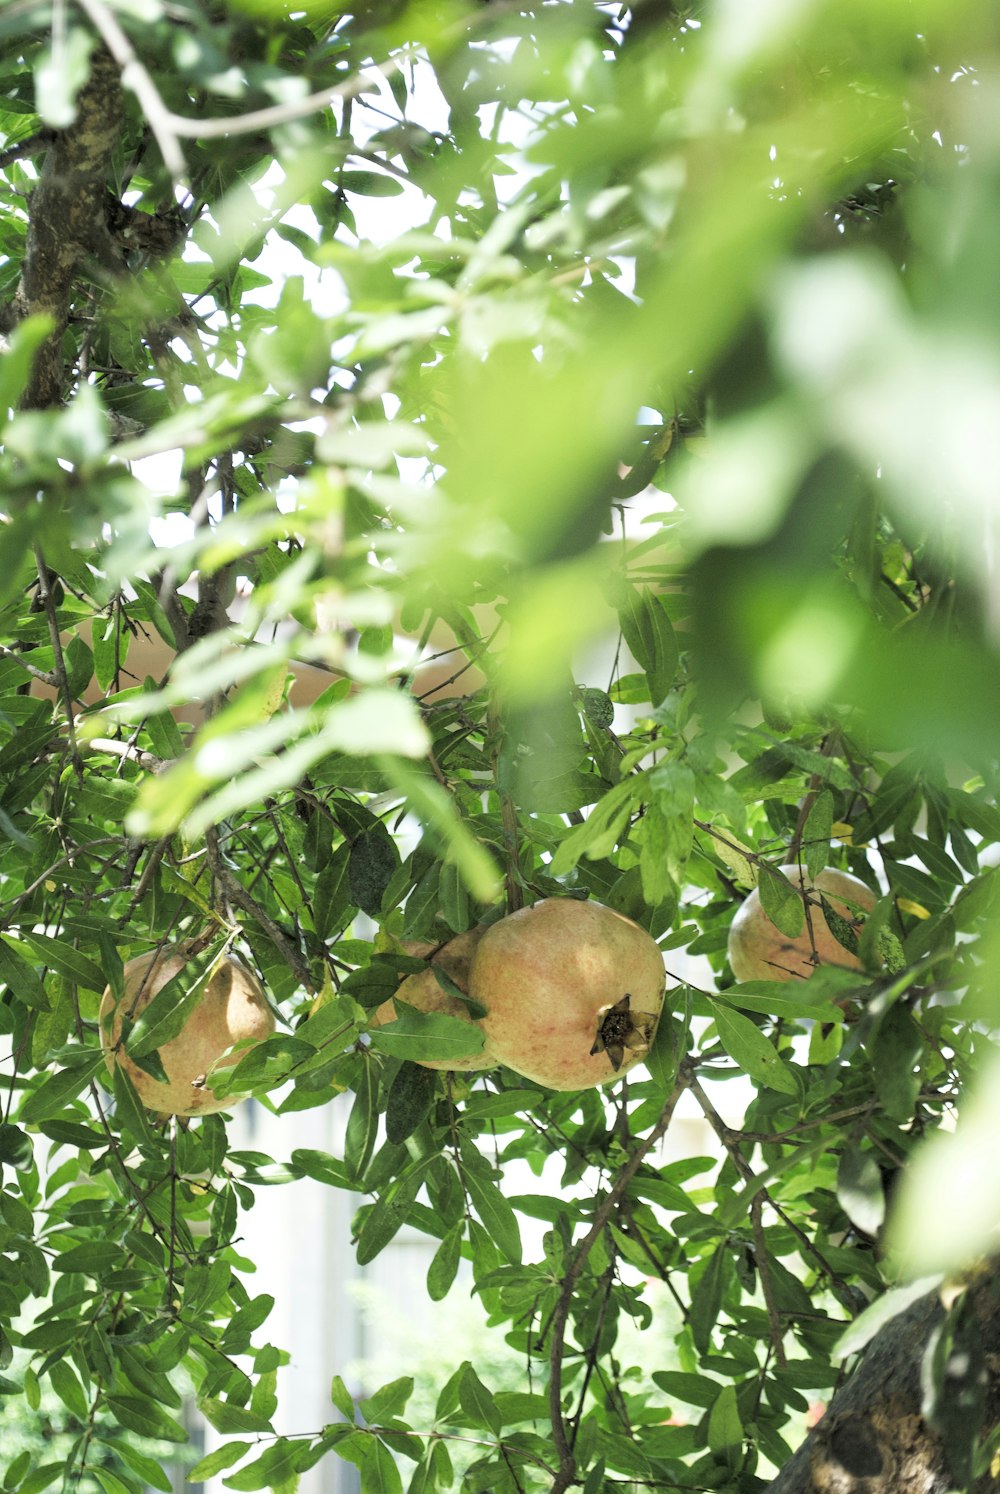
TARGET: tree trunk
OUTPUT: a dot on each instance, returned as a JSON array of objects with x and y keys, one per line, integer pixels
[
  {"x": 68, "y": 221},
  {"x": 876, "y": 1438}
]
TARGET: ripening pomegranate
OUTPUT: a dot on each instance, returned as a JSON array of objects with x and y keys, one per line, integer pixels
[
  {"x": 425, "y": 993},
  {"x": 231, "y": 1009},
  {"x": 572, "y": 989},
  {"x": 759, "y": 951}
]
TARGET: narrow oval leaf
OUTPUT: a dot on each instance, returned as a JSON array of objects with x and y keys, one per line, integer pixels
[
  {"x": 443, "y": 1268},
  {"x": 860, "y": 1191},
  {"x": 170, "y": 1008},
  {"x": 781, "y": 901},
  {"x": 752, "y": 1050}
]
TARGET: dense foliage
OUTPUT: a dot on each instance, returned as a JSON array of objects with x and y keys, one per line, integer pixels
[{"x": 456, "y": 455}]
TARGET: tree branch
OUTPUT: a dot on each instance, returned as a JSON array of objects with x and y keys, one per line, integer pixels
[
  {"x": 24, "y": 149},
  {"x": 233, "y": 889},
  {"x": 128, "y": 753},
  {"x": 61, "y": 677}
]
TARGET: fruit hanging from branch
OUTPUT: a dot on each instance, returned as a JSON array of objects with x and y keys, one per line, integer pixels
[
  {"x": 572, "y": 992},
  {"x": 427, "y": 994},
  {"x": 759, "y": 951},
  {"x": 230, "y": 1010}
]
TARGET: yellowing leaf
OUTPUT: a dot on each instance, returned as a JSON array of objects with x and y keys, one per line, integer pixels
[
  {"x": 907, "y": 905},
  {"x": 730, "y": 852}
]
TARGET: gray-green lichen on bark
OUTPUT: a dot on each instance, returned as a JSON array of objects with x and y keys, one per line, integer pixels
[{"x": 68, "y": 222}]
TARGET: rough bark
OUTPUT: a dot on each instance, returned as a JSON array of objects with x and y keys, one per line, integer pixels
[
  {"x": 874, "y": 1438},
  {"x": 68, "y": 221}
]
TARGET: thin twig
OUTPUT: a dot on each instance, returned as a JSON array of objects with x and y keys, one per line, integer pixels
[
  {"x": 10, "y": 908},
  {"x": 238, "y": 894},
  {"x": 730, "y": 1141},
  {"x": 560, "y": 1316},
  {"x": 128, "y": 753},
  {"x": 44, "y": 675},
  {"x": 61, "y": 677},
  {"x": 172, "y": 1260},
  {"x": 766, "y": 1283}
]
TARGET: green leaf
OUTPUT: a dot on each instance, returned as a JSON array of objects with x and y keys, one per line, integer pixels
[
  {"x": 860, "y": 1191},
  {"x": 379, "y": 1474},
  {"x": 16, "y": 1149},
  {"x": 387, "y": 1402},
  {"x": 148, "y": 1469},
  {"x": 170, "y": 1008},
  {"x": 54, "y": 1093},
  {"x": 477, "y": 1402},
  {"x": 362, "y": 1125},
  {"x": 324, "y": 1168},
  {"x": 61, "y": 956},
  {"x": 706, "y": 1298},
  {"x": 817, "y": 833},
  {"x": 216, "y": 1461},
  {"x": 19, "y": 975},
  {"x": 371, "y": 866},
  {"x": 415, "y": 1034},
  {"x": 146, "y": 1418},
  {"x": 437, "y": 811},
  {"x": 342, "y": 1399},
  {"x": 40, "y": 1478},
  {"x": 444, "y": 1266},
  {"x": 693, "y": 1390},
  {"x": 650, "y": 637},
  {"x": 370, "y": 183},
  {"x": 896, "y": 1049},
  {"x": 781, "y": 901},
  {"x": 111, "y": 1483},
  {"x": 602, "y": 829},
  {"x": 880, "y": 1312},
  {"x": 226, "y": 1417},
  {"x": 496, "y": 1214},
  {"x": 93, "y": 1257},
  {"x": 18, "y": 1467},
  {"x": 68, "y": 1388},
  {"x": 332, "y": 907},
  {"x": 129, "y": 1108},
  {"x": 276, "y": 1468},
  {"x": 665, "y": 1054},
  {"x": 725, "y": 1428},
  {"x": 390, "y": 1212},
  {"x": 409, "y": 1101},
  {"x": 673, "y": 802},
  {"x": 755, "y": 1054},
  {"x": 19, "y": 355}
]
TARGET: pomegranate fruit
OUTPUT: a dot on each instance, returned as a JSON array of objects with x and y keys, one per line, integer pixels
[
  {"x": 232, "y": 1009},
  {"x": 759, "y": 951},
  {"x": 424, "y": 991},
  {"x": 572, "y": 989}
]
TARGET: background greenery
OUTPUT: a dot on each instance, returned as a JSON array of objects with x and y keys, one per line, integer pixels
[{"x": 682, "y": 340}]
